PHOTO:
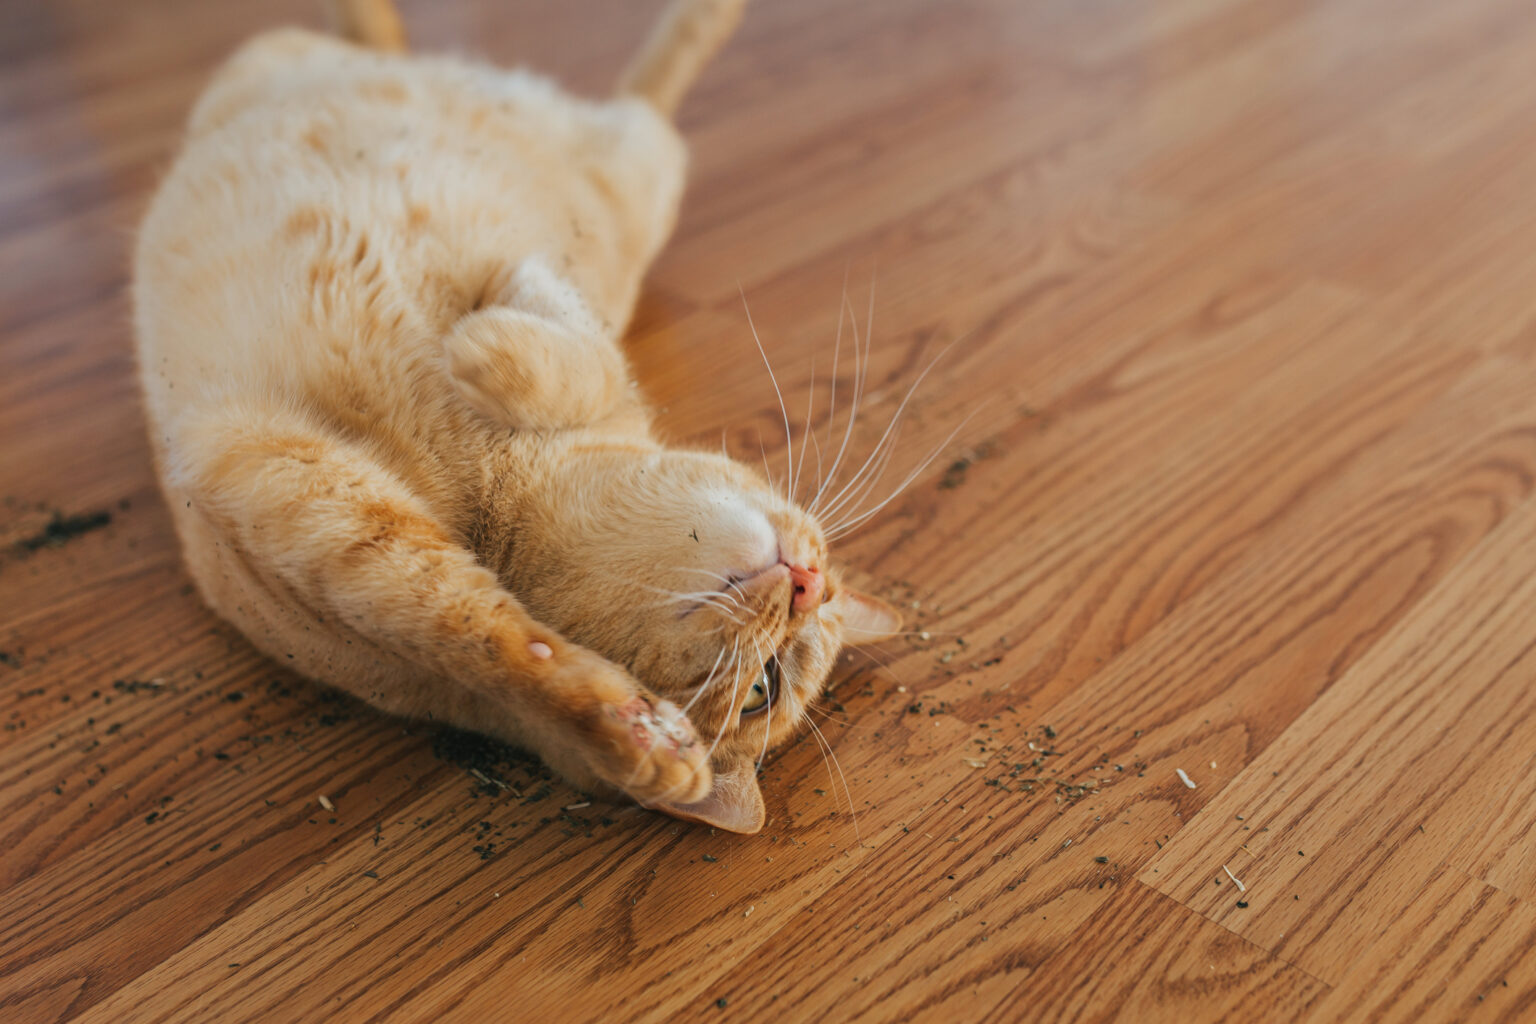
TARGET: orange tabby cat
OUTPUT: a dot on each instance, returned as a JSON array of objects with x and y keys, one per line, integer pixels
[{"x": 378, "y": 301}]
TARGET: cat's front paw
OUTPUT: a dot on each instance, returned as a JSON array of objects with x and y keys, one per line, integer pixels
[
  {"x": 614, "y": 735},
  {"x": 662, "y": 756}
]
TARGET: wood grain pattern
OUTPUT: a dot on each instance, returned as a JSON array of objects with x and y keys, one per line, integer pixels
[
  {"x": 1237, "y": 298},
  {"x": 1337, "y": 803}
]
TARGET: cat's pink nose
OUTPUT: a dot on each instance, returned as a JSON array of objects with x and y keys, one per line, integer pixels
[{"x": 809, "y": 586}]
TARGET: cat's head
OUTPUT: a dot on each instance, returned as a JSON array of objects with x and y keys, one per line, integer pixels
[{"x": 713, "y": 589}]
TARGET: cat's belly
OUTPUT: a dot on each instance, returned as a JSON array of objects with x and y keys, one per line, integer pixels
[{"x": 335, "y": 211}]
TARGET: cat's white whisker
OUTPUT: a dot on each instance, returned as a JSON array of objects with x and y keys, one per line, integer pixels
[
  {"x": 701, "y": 571},
  {"x": 768, "y": 726},
  {"x": 860, "y": 369},
  {"x": 837, "y": 349},
  {"x": 734, "y": 669},
  {"x": 722, "y": 577},
  {"x": 883, "y": 664},
  {"x": 876, "y": 472},
  {"x": 733, "y": 620},
  {"x": 863, "y": 364},
  {"x": 768, "y": 473},
  {"x": 704, "y": 686},
  {"x": 869, "y": 314},
  {"x": 757, "y": 661},
  {"x": 815, "y": 706},
  {"x": 723, "y": 602},
  {"x": 815, "y": 444},
  {"x": 828, "y": 751},
  {"x": 922, "y": 634},
  {"x": 738, "y": 623},
  {"x": 789, "y": 446},
  {"x": 722, "y": 595},
  {"x": 724, "y": 611},
  {"x": 895, "y": 419},
  {"x": 844, "y": 311},
  {"x": 719, "y": 599},
  {"x": 691, "y": 595},
  {"x": 731, "y": 592},
  {"x": 805, "y": 434},
  {"x": 843, "y": 529}
]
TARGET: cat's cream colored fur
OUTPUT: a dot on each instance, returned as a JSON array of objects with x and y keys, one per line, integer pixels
[{"x": 378, "y": 302}]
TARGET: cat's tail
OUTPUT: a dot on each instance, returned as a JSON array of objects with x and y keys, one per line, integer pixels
[
  {"x": 373, "y": 23},
  {"x": 687, "y": 36}
]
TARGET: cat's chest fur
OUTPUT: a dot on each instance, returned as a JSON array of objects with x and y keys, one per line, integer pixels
[{"x": 334, "y": 212}]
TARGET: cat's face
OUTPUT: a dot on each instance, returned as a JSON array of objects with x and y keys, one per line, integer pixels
[{"x": 714, "y": 591}]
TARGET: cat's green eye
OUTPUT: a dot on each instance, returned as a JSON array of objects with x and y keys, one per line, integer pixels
[{"x": 762, "y": 691}]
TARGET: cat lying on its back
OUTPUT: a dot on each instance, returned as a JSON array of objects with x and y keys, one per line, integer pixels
[{"x": 378, "y": 301}]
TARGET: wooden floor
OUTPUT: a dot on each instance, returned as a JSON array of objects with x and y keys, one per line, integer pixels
[{"x": 1241, "y": 296}]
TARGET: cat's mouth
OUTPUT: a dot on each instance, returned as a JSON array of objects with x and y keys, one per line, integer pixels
[{"x": 807, "y": 585}]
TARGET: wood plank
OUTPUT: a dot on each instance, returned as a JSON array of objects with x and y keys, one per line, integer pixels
[
  {"x": 1140, "y": 958},
  {"x": 1337, "y": 804},
  {"x": 1496, "y": 844},
  {"x": 1462, "y": 951},
  {"x": 1237, "y": 297}
]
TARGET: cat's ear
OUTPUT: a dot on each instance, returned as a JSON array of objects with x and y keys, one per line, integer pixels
[
  {"x": 866, "y": 619},
  {"x": 734, "y": 804}
]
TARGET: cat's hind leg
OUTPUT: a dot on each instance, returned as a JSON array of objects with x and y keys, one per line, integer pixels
[
  {"x": 683, "y": 41},
  {"x": 332, "y": 554},
  {"x": 535, "y": 357},
  {"x": 374, "y": 23}
]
